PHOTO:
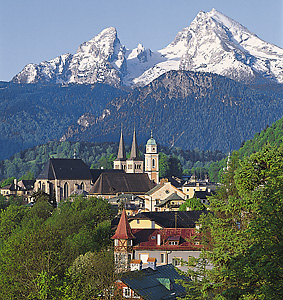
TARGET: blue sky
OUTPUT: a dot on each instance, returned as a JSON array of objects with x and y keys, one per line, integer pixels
[{"x": 32, "y": 31}]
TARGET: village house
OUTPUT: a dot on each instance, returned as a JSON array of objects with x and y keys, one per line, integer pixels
[
  {"x": 193, "y": 185},
  {"x": 157, "y": 199},
  {"x": 23, "y": 188},
  {"x": 168, "y": 237},
  {"x": 152, "y": 283}
]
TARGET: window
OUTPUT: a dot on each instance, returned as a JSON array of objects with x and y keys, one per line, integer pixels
[
  {"x": 116, "y": 242},
  {"x": 153, "y": 237},
  {"x": 153, "y": 163},
  {"x": 162, "y": 258},
  {"x": 173, "y": 243},
  {"x": 82, "y": 187},
  {"x": 43, "y": 186},
  {"x": 176, "y": 261},
  {"x": 138, "y": 221},
  {"x": 129, "y": 166},
  {"x": 66, "y": 190},
  {"x": 130, "y": 242},
  {"x": 126, "y": 292}
]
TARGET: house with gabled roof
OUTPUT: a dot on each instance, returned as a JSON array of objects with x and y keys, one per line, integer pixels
[
  {"x": 159, "y": 194},
  {"x": 169, "y": 237},
  {"x": 23, "y": 188},
  {"x": 171, "y": 203},
  {"x": 153, "y": 283}
]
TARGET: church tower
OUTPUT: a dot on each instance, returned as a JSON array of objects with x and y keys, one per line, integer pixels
[
  {"x": 123, "y": 244},
  {"x": 134, "y": 163},
  {"x": 152, "y": 160},
  {"x": 120, "y": 161}
]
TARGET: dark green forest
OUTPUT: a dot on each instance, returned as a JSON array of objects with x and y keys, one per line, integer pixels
[
  {"x": 33, "y": 114},
  {"x": 63, "y": 253},
  {"x": 173, "y": 161},
  {"x": 243, "y": 234},
  {"x": 271, "y": 135}
]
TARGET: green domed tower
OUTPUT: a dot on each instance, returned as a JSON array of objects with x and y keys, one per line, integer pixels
[{"x": 151, "y": 160}]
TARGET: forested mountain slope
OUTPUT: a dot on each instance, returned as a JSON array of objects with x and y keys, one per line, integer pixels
[
  {"x": 185, "y": 109},
  {"x": 272, "y": 135},
  {"x": 32, "y": 114}
]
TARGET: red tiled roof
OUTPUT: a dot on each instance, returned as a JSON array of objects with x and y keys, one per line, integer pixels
[{"x": 123, "y": 230}]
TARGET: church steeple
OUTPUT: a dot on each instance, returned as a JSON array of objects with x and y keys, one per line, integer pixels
[
  {"x": 134, "y": 163},
  {"x": 121, "y": 150},
  {"x": 134, "y": 149},
  {"x": 120, "y": 161}
]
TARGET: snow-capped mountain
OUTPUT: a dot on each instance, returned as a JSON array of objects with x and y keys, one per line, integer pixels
[{"x": 212, "y": 43}]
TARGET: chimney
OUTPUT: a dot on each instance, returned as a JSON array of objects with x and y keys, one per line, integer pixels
[
  {"x": 136, "y": 264},
  {"x": 151, "y": 262}
]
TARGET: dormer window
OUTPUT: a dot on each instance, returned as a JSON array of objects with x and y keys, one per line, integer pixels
[{"x": 173, "y": 240}]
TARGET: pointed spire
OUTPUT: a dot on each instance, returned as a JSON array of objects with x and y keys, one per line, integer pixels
[
  {"x": 123, "y": 230},
  {"x": 134, "y": 150},
  {"x": 121, "y": 150}
]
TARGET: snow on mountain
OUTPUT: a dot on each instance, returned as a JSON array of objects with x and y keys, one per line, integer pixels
[
  {"x": 101, "y": 59},
  {"x": 212, "y": 43},
  {"x": 217, "y": 44},
  {"x": 54, "y": 70}
]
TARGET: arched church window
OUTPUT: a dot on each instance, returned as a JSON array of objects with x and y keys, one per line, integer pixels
[
  {"x": 153, "y": 163},
  {"x": 82, "y": 186},
  {"x": 43, "y": 186},
  {"x": 66, "y": 190},
  {"x": 51, "y": 189}
]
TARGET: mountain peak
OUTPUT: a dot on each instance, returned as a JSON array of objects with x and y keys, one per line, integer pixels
[{"x": 212, "y": 43}]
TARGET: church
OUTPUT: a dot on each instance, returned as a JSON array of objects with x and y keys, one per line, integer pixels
[
  {"x": 63, "y": 177},
  {"x": 134, "y": 164}
]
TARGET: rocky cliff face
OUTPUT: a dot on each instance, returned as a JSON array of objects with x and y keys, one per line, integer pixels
[{"x": 212, "y": 43}]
